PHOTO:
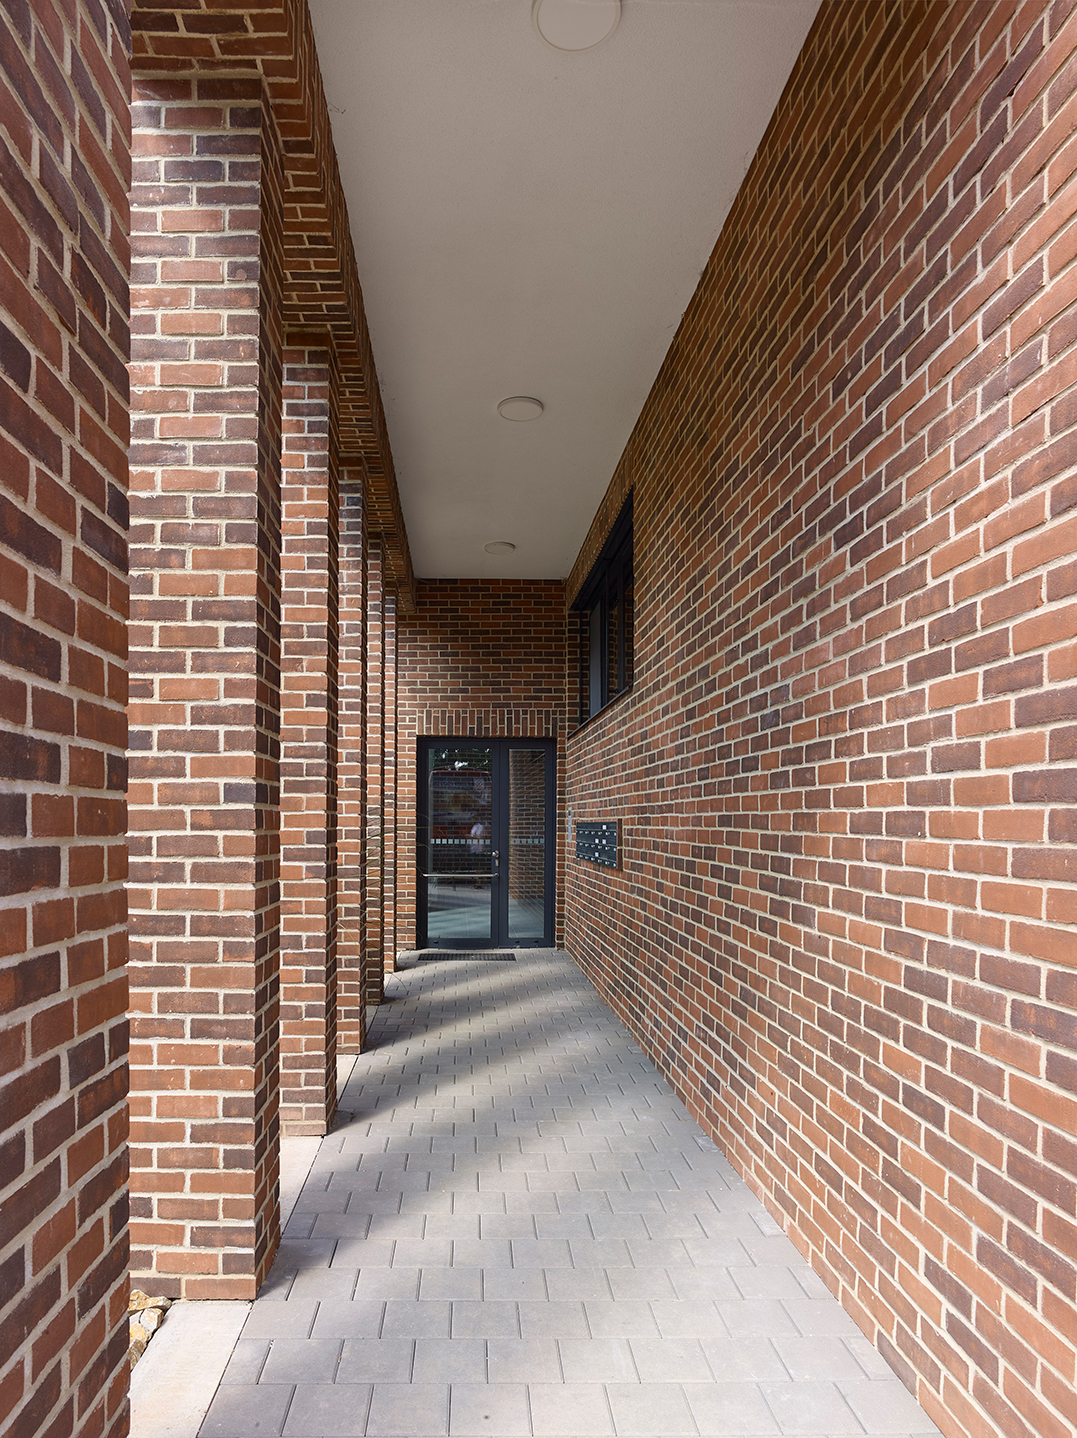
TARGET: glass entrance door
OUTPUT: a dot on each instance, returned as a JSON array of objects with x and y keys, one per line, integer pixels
[{"x": 486, "y": 843}]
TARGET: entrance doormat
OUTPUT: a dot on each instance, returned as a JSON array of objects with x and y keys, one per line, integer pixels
[{"x": 431, "y": 956}]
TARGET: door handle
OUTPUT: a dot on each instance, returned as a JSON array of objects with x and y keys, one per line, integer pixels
[{"x": 461, "y": 875}]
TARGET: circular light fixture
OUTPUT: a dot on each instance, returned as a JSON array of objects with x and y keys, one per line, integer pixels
[
  {"x": 500, "y": 546},
  {"x": 575, "y": 24},
  {"x": 520, "y": 407}
]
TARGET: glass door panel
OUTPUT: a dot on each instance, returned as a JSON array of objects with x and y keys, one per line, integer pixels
[
  {"x": 526, "y": 856},
  {"x": 459, "y": 881}
]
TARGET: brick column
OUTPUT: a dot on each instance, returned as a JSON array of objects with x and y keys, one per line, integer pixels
[
  {"x": 375, "y": 776},
  {"x": 206, "y": 391},
  {"x": 308, "y": 742},
  {"x": 351, "y": 769},
  {"x": 389, "y": 767},
  {"x": 63, "y": 732}
]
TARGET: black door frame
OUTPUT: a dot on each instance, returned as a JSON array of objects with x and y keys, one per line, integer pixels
[{"x": 499, "y": 903}]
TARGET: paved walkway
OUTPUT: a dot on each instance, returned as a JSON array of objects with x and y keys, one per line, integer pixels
[{"x": 516, "y": 1228}]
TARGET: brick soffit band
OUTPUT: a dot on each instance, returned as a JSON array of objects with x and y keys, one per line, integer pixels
[{"x": 323, "y": 294}]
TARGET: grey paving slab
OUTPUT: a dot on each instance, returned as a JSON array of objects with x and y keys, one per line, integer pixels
[
  {"x": 820, "y": 1317},
  {"x": 384, "y": 1283},
  {"x": 445, "y": 1360},
  {"x": 507, "y": 1285},
  {"x": 541, "y": 1253},
  {"x": 416, "y": 1320},
  {"x": 376, "y": 1360},
  {"x": 744, "y": 1359},
  {"x": 278, "y": 1285},
  {"x": 297, "y": 1253},
  {"x": 240, "y": 1412},
  {"x": 281, "y": 1320},
  {"x": 640, "y": 1284},
  {"x": 359, "y": 1253},
  {"x": 625, "y": 1319},
  {"x": 600, "y": 1253},
  {"x": 497, "y": 1409},
  {"x": 505, "y": 1226},
  {"x": 322, "y": 1284},
  {"x": 451, "y": 1283},
  {"x": 678, "y": 1360},
  {"x": 766, "y": 1282},
  {"x": 807, "y": 1406},
  {"x": 886, "y": 1406},
  {"x": 567, "y": 1285},
  {"x": 409, "y": 1410},
  {"x": 348, "y": 1225},
  {"x": 730, "y": 1409},
  {"x": 422, "y": 1253},
  {"x": 707, "y": 1281},
  {"x": 342, "y": 1318},
  {"x": 522, "y": 1360},
  {"x": 870, "y": 1359},
  {"x": 246, "y": 1361},
  {"x": 564, "y": 1410},
  {"x": 301, "y": 1360},
  {"x": 482, "y": 1253},
  {"x": 698, "y": 1319},
  {"x": 517, "y": 1229},
  {"x": 553, "y": 1319},
  {"x": 597, "y": 1360},
  {"x": 658, "y": 1409},
  {"x": 329, "y": 1411},
  {"x": 481, "y": 1319},
  {"x": 396, "y": 1225},
  {"x": 762, "y": 1317},
  {"x": 827, "y": 1358}
]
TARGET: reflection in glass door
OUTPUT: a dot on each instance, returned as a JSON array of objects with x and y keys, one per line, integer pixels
[
  {"x": 459, "y": 873},
  {"x": 486, "y": 843}
]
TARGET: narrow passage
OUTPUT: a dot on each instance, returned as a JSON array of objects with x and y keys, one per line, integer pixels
[{"x": 516, "y": 1229}]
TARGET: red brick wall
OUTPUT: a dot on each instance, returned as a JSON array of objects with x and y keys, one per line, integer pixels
[
  {"x": 205, "y": 653},
  {"x": 308, "y": 740},
  {"x": 846, "y": 926},
  {"x": 477, "y": 657},
  {"x": 64, "y": 176}
]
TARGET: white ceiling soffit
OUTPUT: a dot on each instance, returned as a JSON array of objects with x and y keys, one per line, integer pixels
[{"x": 533, "y": 223}]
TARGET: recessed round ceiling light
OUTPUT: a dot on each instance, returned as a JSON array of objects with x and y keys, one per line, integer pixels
[
  {"x": 575, "y": 24},
  {"x": 500, "y": 546},
  {"x": 520, "y": 407}
]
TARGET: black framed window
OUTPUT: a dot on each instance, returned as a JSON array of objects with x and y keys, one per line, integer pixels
[{"x": 605, "y": 607}]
